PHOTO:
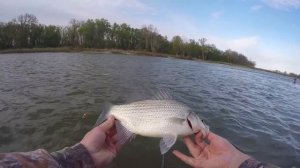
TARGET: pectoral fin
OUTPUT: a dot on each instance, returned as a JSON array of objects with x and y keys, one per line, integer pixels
[{"x": 166, "y": 143}]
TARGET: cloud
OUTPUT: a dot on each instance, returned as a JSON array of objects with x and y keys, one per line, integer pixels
[
  {"x": 255, "y": 7},
  {"x": 239, "y": 44},
  {"x": 216, "y": 15},
  {"x": 275, "y": 59},
  {"x": 171, "y": 24},
  {"x": 62, "y": 11},
  {"x": 283, "y": 4},
  {"x": 244, "y": 43},
  {"x": 134, "y": 4},
  {"x": 265, "y": 54}
]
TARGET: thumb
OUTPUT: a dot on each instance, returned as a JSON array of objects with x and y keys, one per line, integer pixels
[{"x": 108, "y": 124}]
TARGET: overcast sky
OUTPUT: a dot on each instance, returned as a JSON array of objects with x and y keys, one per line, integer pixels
[{"x": 266, "y": 31}]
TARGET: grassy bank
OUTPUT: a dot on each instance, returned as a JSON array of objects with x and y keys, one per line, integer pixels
[{"x": 87, "y": 50}]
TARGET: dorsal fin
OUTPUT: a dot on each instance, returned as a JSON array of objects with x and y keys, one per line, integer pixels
[{"x": 163, "y": 94}]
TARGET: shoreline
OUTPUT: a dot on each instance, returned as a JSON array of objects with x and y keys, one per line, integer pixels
[
  {"x": 86, "y": 50},
  {"x": 124, "y": 52}
]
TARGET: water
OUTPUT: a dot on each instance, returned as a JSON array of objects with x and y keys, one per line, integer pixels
[{"x": 43, "y": 97}]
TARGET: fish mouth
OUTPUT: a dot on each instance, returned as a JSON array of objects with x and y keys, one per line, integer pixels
[{"x": 204, "y": 131}]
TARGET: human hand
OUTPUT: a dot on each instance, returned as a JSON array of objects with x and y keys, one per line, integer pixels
[
  {"x": 101, "y": 143},
  {"x": 218, "y": 153}
]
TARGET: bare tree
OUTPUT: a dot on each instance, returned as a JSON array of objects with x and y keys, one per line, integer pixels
[
  {"x": 27, "y": 23},
  {"x": 202, "y": 41}
]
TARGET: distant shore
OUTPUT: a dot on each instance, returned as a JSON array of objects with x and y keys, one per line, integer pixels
[
  {"x": 106, "y": 51},
  {"x": 123, "y": 52},
  {"x": 87, "y": 50}
]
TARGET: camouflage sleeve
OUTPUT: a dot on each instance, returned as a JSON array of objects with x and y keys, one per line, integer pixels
[
  {"x": 252, "y": 163},
  {"x": 37, "y": 158},
  {"x": 76, "y": 157}
]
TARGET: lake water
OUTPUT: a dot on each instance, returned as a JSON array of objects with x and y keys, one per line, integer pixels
[{"x": 43, "y": 97}]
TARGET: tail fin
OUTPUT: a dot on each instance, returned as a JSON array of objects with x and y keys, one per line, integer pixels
[{"x": 104, "y": 114}]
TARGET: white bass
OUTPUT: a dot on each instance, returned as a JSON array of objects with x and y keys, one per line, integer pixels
[{"x": 166, "y": 119}]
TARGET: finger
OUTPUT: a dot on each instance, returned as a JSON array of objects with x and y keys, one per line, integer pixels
[
  {"x": 191, "y": 146},
  {"x": 114, "y": 139},
  {"x": 201, "y": 147},
  {"x": 213, "y": 137},
  {"x": 186, "y": 159},
  {"x": 108, "y": 124},
  {"x": 112, "y": 132},
  {"x": 111, "y": 147},
  {"x": 118, "y": 147},
  {"x": 199, "y": 138},
  {"x": 205, "y": 153}
]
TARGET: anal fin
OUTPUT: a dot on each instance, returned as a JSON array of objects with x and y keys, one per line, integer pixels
[
  {"x": 123, "y": 134},
  {"x": 166, "y": 143}
]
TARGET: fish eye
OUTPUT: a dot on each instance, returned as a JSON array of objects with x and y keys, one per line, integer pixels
[{"x": 202, "y": 120}]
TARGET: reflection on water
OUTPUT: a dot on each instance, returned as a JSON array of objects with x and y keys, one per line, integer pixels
[{"x": 44, "y": 95}]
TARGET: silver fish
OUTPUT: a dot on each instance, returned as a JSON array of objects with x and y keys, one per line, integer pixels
[{"x": 166, "y": 119}]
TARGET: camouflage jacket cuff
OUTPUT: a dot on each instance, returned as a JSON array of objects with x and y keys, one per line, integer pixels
[
  {"x": 252, "y": 163},
  {"x": 37, "y": 158},
  {"x": 76, "y": 156}
]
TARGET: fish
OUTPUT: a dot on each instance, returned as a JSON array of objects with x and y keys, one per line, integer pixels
[{"x": 164, "y": 118}]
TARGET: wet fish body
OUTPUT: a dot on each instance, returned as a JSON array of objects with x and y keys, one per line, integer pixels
[{"x": 167, "y": 119}]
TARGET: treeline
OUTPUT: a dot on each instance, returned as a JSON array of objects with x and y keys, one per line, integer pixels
[{"x": 27, "y": 32}]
